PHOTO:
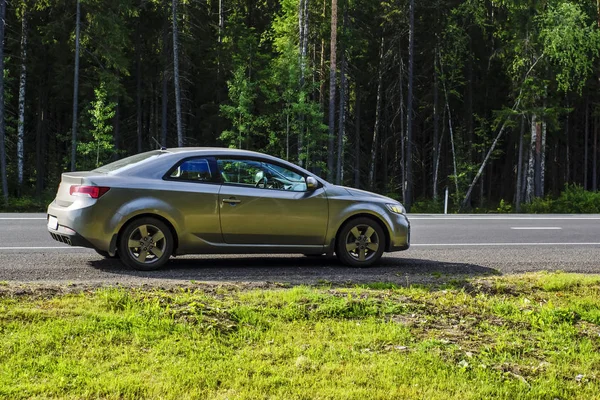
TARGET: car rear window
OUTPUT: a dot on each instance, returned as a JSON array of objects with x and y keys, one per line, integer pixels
[{"x": 128, "y": 161}]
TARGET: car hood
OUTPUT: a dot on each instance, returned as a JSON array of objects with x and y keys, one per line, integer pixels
[{"x": 363, "y": 193}]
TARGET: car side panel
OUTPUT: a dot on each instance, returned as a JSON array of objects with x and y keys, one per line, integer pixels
[
  {"x": 191, "y": 208},
  {"x": 343, "y": 207}
]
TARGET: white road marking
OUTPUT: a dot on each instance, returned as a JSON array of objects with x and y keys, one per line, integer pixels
[
  {"x": 506, "y": 218},
  {"x": 19, "y": 219},
  {"x": 42, "y": 248},
  {"x": 503, "y": 244},
  {"x": 536, "y": 228}
]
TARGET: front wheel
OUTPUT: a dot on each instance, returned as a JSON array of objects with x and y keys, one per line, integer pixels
[
  {"x": 146, "y": 244},
  {"x": 360, "y": 242}
]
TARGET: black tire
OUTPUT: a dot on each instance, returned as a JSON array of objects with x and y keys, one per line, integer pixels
[
  {"x": 360, "y": 242},
  {"x": 105, "y": 254},
  {"x": 154, "y": 251}
]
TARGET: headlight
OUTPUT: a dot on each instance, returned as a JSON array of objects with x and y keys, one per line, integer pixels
[{"x": 396, "y": 208}]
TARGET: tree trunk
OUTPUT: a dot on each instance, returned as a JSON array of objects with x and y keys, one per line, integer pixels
[
  {"x": 543, "y": 155},
  {"x": 402, "y": 139},
  {"x": 357, "y": 141},
  {"x": 2, "y": 122},
  {"x": 341, "y": 116},
  {"x": 341, "y": 124},
  {"x": 165, "y": 80},
  {"x": 487, "y": 157},
  {"x": 451, "y": 130},
  {"x": 542, "y": 133},
  {"x": 176, "y": 81},
  {"x": 332, "y": 86},
  {"x": 22, "y": 86},
  {"x": 322, "y": 65},
  {"x": 595, "y": 156},
  {"x": 40, "y": 141},
  {"x": 538, "y": 160},
  {"x": 287, "y": 136},
  {"x": 518, "y": 190},
  {"x": 436, "y": 127},
  {"x": 221, "y": 21},
  {"x": 408, "y": 199},
  {"x": 586, "y": 134},
  {"x": 138, "y": 91},
  {"x": 529, "y": 195},
  {"x": 303, "y": 44},
  {"x": 596, "y": 127},
  {"x": 75, "y": 89},
  {"x": 117, "y": 128},
  {"x": 375, "y": 141}
]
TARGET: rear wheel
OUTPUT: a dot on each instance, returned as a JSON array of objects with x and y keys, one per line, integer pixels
[
  {"x": 146, "y": 244},
  {"x": 360, "y": 242}
]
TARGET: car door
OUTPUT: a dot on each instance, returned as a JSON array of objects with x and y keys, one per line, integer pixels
[
  {"x": 193, "y": 186},
  {"x": 262, "y": 202}
]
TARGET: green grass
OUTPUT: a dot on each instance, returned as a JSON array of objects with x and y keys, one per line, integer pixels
[{"x": 530, "y": 336}]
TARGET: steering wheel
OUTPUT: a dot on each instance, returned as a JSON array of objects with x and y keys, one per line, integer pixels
[{"x": 262, "y": 181}]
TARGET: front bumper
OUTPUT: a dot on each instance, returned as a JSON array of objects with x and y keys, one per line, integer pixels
[{"x": 399, "y": 234}]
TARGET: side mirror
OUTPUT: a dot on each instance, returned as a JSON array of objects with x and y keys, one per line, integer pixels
[{"x": 311, "y": 183}]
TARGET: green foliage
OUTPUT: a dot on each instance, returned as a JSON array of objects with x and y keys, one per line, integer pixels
[
  {"x": 99, "y": 147},
  {"x": 573, "y": 200},
  {"x": 426, "y": 206},
  {"x": 240, "y": 111},
  {"x": 504, "y": 207},
  {"x": 268, "y": 107},
  {"x": 28, "y": 203},
  {"x": 571, "y": 41}
]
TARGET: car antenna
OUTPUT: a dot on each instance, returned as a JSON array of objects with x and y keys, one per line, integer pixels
[{"x": 159, "y": 145}]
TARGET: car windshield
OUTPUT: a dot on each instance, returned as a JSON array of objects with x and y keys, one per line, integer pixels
[
  {"x": 128, "y": 161},
  {"x": 284, "y": 173}
]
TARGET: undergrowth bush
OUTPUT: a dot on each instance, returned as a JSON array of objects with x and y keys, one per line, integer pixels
[
  {"x": 28, "y": 202},
  {"x": 573, "y": 200},
  {"x": 428, "y": 207}
]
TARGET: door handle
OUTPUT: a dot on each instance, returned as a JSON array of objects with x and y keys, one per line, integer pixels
[{"x": 231, "y": 201}]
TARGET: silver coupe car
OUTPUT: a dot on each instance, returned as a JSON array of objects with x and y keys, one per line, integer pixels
[{"x": 151, "y": 206}]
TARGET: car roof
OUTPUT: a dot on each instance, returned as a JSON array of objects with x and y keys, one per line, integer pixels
[
  {"x": 182, "y": 152},
  {"x": 212, "y": 150}
]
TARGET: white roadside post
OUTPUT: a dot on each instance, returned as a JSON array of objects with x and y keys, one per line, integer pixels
[{"x": 446, "y": 201}]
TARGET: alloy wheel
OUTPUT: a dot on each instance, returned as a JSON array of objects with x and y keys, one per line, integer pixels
[
  {"x": 147, "y": 244},
  {"x": 362, "y": 242}
]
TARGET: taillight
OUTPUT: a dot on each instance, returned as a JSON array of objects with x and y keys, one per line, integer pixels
[{"x": 95, "y": 192}]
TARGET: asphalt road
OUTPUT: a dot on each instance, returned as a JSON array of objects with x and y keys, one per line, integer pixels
[{"x": 443, "y": 247}]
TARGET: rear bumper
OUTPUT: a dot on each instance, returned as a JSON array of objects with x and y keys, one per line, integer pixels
[
  {"x": 70, "y": 237},
  {"x": 79, "y": 225}
]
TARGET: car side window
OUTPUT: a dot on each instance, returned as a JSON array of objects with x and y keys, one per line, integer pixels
[
  {"x": 195, "y": 169},
  {"x": 260, "y": 174}
]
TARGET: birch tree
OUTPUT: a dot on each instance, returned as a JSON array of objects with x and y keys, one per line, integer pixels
[
  {"x": 75, "y": 89},
  {"x": 375, "y": 141},
  {"x": 332, "y": 88},
  {"x": 22, "y": 85},
  {"x": 176, "y": 80},
  {"x": 409, "y": 107}
]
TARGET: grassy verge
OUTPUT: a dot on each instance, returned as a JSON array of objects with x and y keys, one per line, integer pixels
[{"x": 532, "y": 336}]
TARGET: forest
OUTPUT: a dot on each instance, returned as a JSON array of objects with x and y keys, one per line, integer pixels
[{"x": 496, "y": 100}]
